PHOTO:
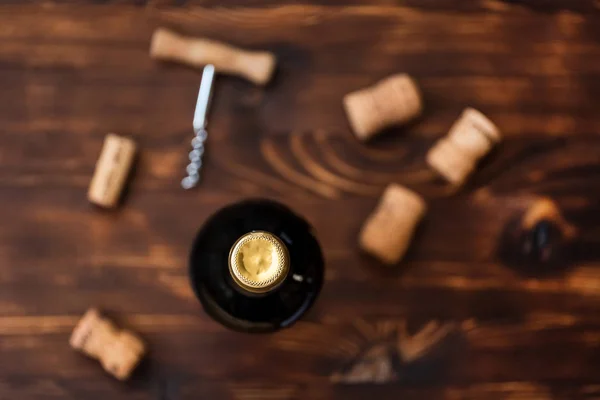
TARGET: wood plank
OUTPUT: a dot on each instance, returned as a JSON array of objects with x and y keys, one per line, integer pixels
[
  {"x": 184, "y": 389},
  {"x": 554, "y": 166},
  {"x": 151, "y": 220},
  {"x": 541, "y": 6},
  {"x": 154, "y": 103},
  {"x": 509, "y": 351}
]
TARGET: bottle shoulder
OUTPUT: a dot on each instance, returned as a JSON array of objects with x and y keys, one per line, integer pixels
[{"x": 216, "y": 287}]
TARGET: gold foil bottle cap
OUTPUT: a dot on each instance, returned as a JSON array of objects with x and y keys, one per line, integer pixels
[{"x": 259, "y": 262}]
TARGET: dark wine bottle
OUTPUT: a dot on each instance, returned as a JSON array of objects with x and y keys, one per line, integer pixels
[{"x": 256, "y": 266}]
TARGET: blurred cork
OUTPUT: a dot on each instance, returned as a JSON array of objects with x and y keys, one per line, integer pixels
[
  {"x": 119, "y": 351},
  {"x": 456, "y": 155},
  {"x": 112, "y": 169},
  {"x": 256, "y": 66},
  {"x": 393, "y": 101},
  {"x": 387, "y": 232}
]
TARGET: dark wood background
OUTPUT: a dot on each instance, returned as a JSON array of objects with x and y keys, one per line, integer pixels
[{"x": 72, "y": 71}]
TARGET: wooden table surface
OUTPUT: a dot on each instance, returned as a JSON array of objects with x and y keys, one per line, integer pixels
[{"x": 476, "y": 327}]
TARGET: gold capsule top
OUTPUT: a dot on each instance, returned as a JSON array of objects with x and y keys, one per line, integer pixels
[{"x": 259, "y": 262}]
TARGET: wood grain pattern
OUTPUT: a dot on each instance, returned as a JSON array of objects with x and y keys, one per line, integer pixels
[{"x": 70, "y": 74}]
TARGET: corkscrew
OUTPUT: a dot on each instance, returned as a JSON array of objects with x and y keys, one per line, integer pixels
[{"x": 200, "y": 132}]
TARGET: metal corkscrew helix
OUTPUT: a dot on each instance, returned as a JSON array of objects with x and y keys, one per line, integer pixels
[{"x": 199, "y": 124}]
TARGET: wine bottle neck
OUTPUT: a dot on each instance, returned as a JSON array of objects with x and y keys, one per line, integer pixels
[{"x": 258, "y": 262}]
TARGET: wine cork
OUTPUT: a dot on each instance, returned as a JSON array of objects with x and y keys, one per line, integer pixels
[
  {"x": 119, "y": 351},
  {"x": 112, "y": 169},
  {"x": 256, "y": 66},
  {"x": 388, "y": 231},
  {"x": 471, "y": 137},
  {"x": 392, "y": 101}
]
